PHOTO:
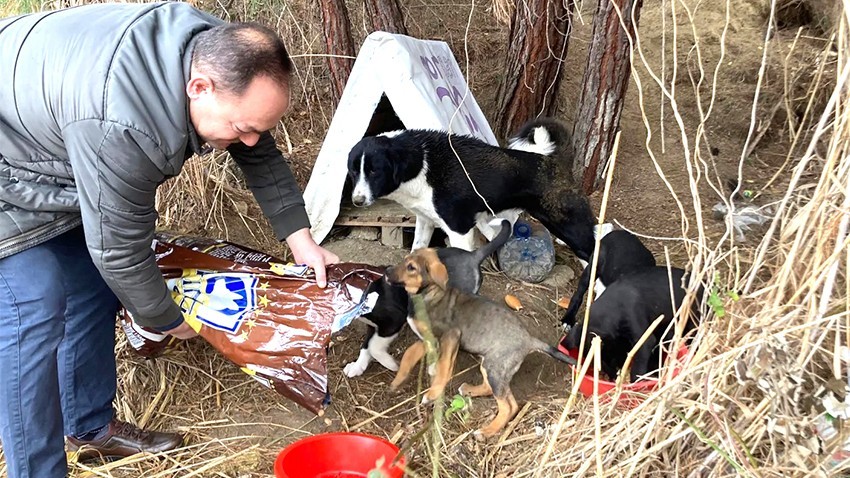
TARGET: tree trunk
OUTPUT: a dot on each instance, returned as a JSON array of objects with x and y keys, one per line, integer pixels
[
  {"x": 537, "y": 48},
  {"x": 337, "y": 30},
  {"x": 606, "y": 79},
  {"x": 385, "y": 15}
]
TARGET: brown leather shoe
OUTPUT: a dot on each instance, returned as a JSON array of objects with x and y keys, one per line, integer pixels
[{"x": 123, "y": 439}]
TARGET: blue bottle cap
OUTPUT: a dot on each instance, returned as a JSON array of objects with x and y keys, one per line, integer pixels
[{"x": 522, "y": 230}]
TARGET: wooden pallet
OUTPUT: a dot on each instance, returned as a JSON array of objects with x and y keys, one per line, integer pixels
[{"x": 388, "y": 215}]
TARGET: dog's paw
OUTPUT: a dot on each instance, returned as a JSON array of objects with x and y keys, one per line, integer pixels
[
  {"x": 388, "y": 362},
  {"x": 566, "y": 327},
  {"x": 485, "y": 433},
  {"x": 354, "y": 369},
  {"x": 464, "y": 389},
  {"x": 430, "y": 396}
]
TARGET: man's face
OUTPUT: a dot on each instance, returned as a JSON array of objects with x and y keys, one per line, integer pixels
[{"x": 221, "y": 118}]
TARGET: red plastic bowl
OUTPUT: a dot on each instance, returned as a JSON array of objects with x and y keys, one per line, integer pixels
[
  {"x": 632, "y": 393},
  {"x": 337, "y": 455}
]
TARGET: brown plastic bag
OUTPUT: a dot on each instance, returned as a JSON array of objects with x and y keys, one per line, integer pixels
[{"x": 268, "y": 317}]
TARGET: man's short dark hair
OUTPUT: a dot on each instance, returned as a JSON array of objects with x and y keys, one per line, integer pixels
[{"x": 233, "y": 54}]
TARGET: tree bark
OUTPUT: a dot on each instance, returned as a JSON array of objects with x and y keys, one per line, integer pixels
[
  {"x": 606, "y": 80},
  {"x": 338, "y": 42},
  {"x": 385, "y": 15},
  {"x": 537, "y": 48}
]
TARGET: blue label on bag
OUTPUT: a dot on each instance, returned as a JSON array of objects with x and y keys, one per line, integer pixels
[{"x": 218, "y": 300}]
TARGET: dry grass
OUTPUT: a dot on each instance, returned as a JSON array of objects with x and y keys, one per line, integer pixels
[
  {"x": 747, "y": 402},
  {"x": 220, "y": 410},
  {"x": 748, "y": 399}
]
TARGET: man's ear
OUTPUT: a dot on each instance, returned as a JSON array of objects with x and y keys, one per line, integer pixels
[
  {"x": 199, "y": 85},
  {"x": 439, "y": 274}
]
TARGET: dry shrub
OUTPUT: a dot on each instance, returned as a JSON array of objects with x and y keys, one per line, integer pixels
[
  {"x": 821, "y": 16},
  {"x": 749, "y": 400},
  {"x": 750, "y": 397}
]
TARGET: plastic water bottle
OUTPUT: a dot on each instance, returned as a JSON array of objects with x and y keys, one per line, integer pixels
[{"x": 529, "y": 254}]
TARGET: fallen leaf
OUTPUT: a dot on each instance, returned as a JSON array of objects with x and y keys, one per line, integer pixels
[
  {"x": 564, "y": 302},
  {"x": 513, "y": 302}
]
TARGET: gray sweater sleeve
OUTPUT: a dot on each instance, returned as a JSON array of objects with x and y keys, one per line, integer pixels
[
  {"x": 273, "y": 185},
  {"x": 116, "y": 177}
]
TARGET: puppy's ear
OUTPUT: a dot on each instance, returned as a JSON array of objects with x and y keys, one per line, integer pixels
[
  {"x": 396, "y": 159},
  {"x": 439, "y": 274},
  {"x": 403, "y": 161}
]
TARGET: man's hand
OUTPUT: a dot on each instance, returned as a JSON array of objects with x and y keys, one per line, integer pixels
[
  {"x": 306, "y": 251},
  {"x": 182, "y": 331}
]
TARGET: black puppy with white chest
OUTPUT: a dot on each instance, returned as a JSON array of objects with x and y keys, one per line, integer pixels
[
  {"x": 625, "y": 312},
  {"x": 420, "y": 170},
  {"x": 620, "y": 252},
  {"x": 392, "y": 309}
]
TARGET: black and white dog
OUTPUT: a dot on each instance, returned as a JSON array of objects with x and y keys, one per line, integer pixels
[
  {"x": 620, "y": 252},
  {"x": 625, "y": 311},
  {"x": 420, "y": 170},
  {"x": 392, "y": 307}
]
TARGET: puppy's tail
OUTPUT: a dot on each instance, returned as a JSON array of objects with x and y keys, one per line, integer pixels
[
  {"x": 553, "y": 352},
  {"x": 545, "y": 136},
  {"x": 486, "y": 250}
]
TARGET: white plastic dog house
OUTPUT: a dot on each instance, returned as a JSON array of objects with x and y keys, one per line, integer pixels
[{"x": 421, "y": 82}]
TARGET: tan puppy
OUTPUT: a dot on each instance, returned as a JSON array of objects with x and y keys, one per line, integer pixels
[{"x": 473, "y": 323}]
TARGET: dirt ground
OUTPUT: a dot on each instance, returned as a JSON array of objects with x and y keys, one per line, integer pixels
[{"x": 639, "y": 201}]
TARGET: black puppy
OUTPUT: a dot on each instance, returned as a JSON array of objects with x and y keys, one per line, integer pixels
[
  {"x": 620, "y": 252},
  {"x": 392, "y": 308},
  {"x": 626, "y": 310}
]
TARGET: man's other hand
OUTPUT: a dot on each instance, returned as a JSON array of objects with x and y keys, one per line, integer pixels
[{"x": 182, "y": 331}]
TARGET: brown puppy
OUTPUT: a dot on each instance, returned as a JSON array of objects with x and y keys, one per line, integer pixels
[{"x": 473, "y": 323}]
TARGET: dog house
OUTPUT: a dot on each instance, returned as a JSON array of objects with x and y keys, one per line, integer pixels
[{"x": 397, "y": 82}]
